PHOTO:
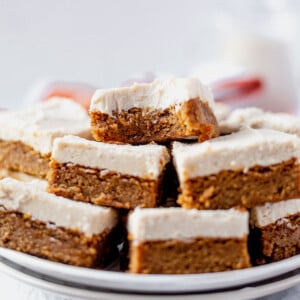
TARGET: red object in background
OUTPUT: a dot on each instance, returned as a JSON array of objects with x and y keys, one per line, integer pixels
[
  {"x": 45, "y": 90},
  {"x": 84, "y": 100},
  {"x": 236, "y": 89}
]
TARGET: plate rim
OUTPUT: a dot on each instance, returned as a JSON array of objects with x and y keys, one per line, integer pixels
[
  {"x": 239, "y": 293},
  {"x": 159, "y": 282}
]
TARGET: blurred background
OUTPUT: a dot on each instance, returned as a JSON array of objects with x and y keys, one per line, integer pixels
[{"x": 246, "y": 50}]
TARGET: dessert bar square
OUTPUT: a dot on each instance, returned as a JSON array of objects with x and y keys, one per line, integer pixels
[
  {"x": 275, "y": 233},
  {"x": 42, "y": 224},
  {"x": 246, "y": 169},
  {"x": 26, "y": 136},
  {"x": 161, "y": 111},
  {"x": 257, "y": 118},
  {"x": 121, "y": 176},
  {"x": 177, "y": 241}
]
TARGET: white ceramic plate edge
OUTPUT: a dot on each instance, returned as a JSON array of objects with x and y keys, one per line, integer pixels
[
  {"x": 149, "y": 283},
  {"x": 239, "y": 294}
]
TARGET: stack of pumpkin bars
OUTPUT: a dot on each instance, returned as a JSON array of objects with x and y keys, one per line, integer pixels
[{"x": 194, "y": 186}]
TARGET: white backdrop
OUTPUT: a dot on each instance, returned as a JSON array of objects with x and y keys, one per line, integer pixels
[
  {"x": 100, "y": 42},
  {"x": 105, "y": 42}
]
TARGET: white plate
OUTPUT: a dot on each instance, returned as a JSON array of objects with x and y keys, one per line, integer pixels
[
  {"x": 59, "y": 291},
  {"x": 128, "y": 283}
]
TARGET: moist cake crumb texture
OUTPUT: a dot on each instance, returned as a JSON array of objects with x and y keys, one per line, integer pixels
[
  {"x": 161, "y": 111},
  {"x": 176, "y": 240},
  {"x": 121, "y": 176},
  {"x": 59, "y": 229},
  {"x": 27, "y": 135},
  {"x": 275, "y": 231},
  {"x": 245, "y": 169}
]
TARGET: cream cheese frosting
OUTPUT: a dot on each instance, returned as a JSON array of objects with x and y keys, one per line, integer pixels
[
  {"x": 221, "y": 111},
  {"x": 160, "y": 94},
  {"x": 30, "y": 198},
  {"x": 257, "y": 118},
  {"x": 40, "y": 125},
  {"x": 148, "y": 224},
  {"x": 145, "y": 161},
  {"x": 271, "y": 212},
  {"x": 238, "y": 151}
]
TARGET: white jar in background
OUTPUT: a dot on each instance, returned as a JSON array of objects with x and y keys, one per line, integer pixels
[{"x": 263, "y": 36}]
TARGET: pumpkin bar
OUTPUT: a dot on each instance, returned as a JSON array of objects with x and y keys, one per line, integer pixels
[
  {"x": 246, "y": 169},
  {"x": 177, "y": 240},
  {"x": 257, "y": 118},
  {"x": 121, "y": 176},
  {"x": 26, "y": 136},
  {"x": 275, "y": 233},
  {"x": 41, "y": 224},
  {"x": 161, "y": 111}
]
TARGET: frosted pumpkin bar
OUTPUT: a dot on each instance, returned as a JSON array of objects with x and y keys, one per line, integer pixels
[
  {"x": 42, "y": 224},
  {"x": 177, "y": 240},
  {"x": 246, "y": 169},
  {"x": 27, "y": 135},
  {"x": 275, "y": 233},
  {"x": 257, "y": 118},
  {"x": 161, "y": 111},
  {"x": 122, "y": 176}
]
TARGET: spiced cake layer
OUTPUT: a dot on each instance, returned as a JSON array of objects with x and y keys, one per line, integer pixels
[
  {"x": 275, "y": 233},
  {"x": 161, "y": 111},
  {"x": 257, "y": 118},
  {"x": 26, "y": 136},
  {"x": 122, "y": 176},
  {"x": 246, "y": 169},
  {"x": 177, "y": 241},
  {"x": 41, "y": 224}
]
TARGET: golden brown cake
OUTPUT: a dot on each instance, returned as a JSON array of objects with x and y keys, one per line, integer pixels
[
  {"x": 26, "y": 136},
  {"x": 178, "y": 241},
  {"x": 161, "y": 111},
  {"x": 275, "y": 233},
  {"x": 121, "y": 176},
  {"x": 246, "y": 169},
  {"x": 51, "y": 227}
]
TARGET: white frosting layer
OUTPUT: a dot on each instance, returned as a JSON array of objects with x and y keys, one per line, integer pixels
[
  {"x": 40, "y": 125},
  {"x": 257, "y": 118},
  {"x": 146, "y": 161},
  {"x": 159, "y": 94},
  {"x": 30, "y": 198},
  {"x": 271, "y": 212},
  {"x": 150, "y": 224},
  {"x": 221, "y": 111},
  {"x": 240, "y": 150},
  {"x": 238, "y": 118}
]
